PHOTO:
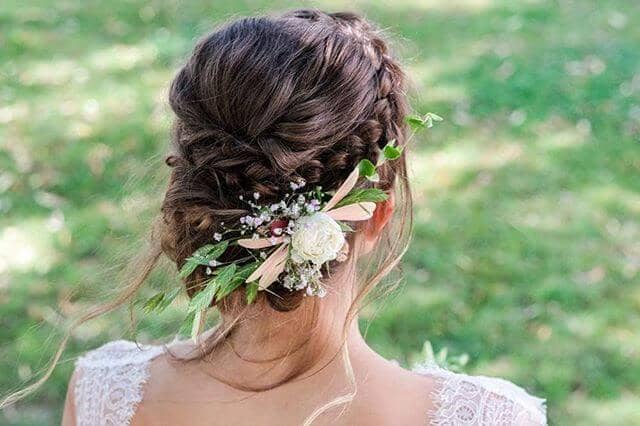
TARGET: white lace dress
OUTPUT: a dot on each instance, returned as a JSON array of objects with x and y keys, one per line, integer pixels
[{"x": 110, "y": 384}]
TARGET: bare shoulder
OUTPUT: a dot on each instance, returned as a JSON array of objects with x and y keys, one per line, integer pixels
[
  {"x": 69, "y": 413},
  {"x": 178, "y": 391},
  {"x": 481, "y": 400},
  {"x": 389, "y": 394},
  {"x": 386, "y": 394}
]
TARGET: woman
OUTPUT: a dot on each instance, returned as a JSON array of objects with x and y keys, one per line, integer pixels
[{"x": 288, "y": 169}]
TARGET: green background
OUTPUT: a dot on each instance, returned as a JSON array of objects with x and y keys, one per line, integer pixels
[{"x": 526, "y": 253}]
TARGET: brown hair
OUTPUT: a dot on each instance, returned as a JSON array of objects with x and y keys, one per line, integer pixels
[{"x": 264, "y": 101}]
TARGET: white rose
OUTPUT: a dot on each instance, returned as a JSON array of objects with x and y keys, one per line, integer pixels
[{"x": 317, "y": 238}]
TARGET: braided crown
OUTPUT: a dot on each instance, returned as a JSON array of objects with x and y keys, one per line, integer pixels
[{"x": 262, "y": 102}]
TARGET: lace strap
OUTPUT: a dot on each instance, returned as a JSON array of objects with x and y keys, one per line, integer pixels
[
  {"x": 478, "y": 400},
  {"x": 110, "y": 382}
]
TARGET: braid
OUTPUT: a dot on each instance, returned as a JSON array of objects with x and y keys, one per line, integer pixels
[
  {"x": 390, "y": 106},
  {"x": 264, "y": 102}
]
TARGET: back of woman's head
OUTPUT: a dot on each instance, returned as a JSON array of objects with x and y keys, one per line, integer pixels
[
  {"x": 263, "y": 102},
  {"x": 260, "y": 103}
]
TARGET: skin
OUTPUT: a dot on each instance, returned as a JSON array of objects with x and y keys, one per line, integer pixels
[{"x": 261, "y": 352}]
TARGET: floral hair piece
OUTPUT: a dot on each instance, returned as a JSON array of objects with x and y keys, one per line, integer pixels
[
  {"x": 292, "y": 239},
  {"x": 308, "y": 234}
]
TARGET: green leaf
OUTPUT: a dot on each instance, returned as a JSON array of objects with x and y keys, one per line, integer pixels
[
  {"x": 202, "y": 300},
  {"x": 202, "y": 256},
  {"x": 415, "y": 122},
  {"x": 361, "y": 195},
  {"x": 238, "y": 279},
  {"x": 188, "y": 268},
  {"x": 391, "y": 152},
  {"x": 226, "y": 274},
  {"x": 441, "y": 357},
  {"x": 197, "y": 318},
  {"x": 212, "y": 251},
  {"x": 227, "y": 289},
  {"x": 428, "y": 355},
  {"x": 153, "y": 302},
  {"x": 168, "y": 298},
  {"x": 252, "y": 292},
  {"x": 430, "y": 118},
  {"x": 230, "y": 287},
  {"x": 247, "y": 270},
  {"x": 366, "y": 168},
  {"x": 187, "y": 324},
  {"x": 434, "y": 117}
]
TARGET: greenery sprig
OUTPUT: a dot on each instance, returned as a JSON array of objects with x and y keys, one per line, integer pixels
[{"x": 420, "y": 122}]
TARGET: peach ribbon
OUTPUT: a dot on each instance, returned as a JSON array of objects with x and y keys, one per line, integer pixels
[{"x": 273, "y": 265}]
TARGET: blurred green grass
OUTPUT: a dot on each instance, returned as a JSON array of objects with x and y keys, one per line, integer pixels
[{"x": 526, "y": 253}]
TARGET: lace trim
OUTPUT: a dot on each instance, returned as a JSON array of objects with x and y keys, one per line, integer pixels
[
  {"x": 478, "y": 400},
  {"x": 110, "y": 383}
]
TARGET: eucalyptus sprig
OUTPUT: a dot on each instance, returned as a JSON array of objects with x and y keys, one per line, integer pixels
[
  {"x": 425, "y": 121},
  {"x": 368, "y": 170},
  {"x": 390, "y": 151}
]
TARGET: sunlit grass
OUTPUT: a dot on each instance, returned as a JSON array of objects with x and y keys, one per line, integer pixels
[
  {"x": 526, "y": 253},
  {"x": 29, "y": 246}
]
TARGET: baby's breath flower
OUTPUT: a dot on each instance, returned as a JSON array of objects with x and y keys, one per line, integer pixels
[
  {"x": 318, "y": 291},
  {"x": 288, "y": 282},
  {"x": 290, "y": 227}
]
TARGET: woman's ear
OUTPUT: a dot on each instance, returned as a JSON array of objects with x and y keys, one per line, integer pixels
[{"x": 381, "y": 216}]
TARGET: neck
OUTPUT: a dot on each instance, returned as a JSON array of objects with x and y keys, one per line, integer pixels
[{"x": 267, "y": 347}]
